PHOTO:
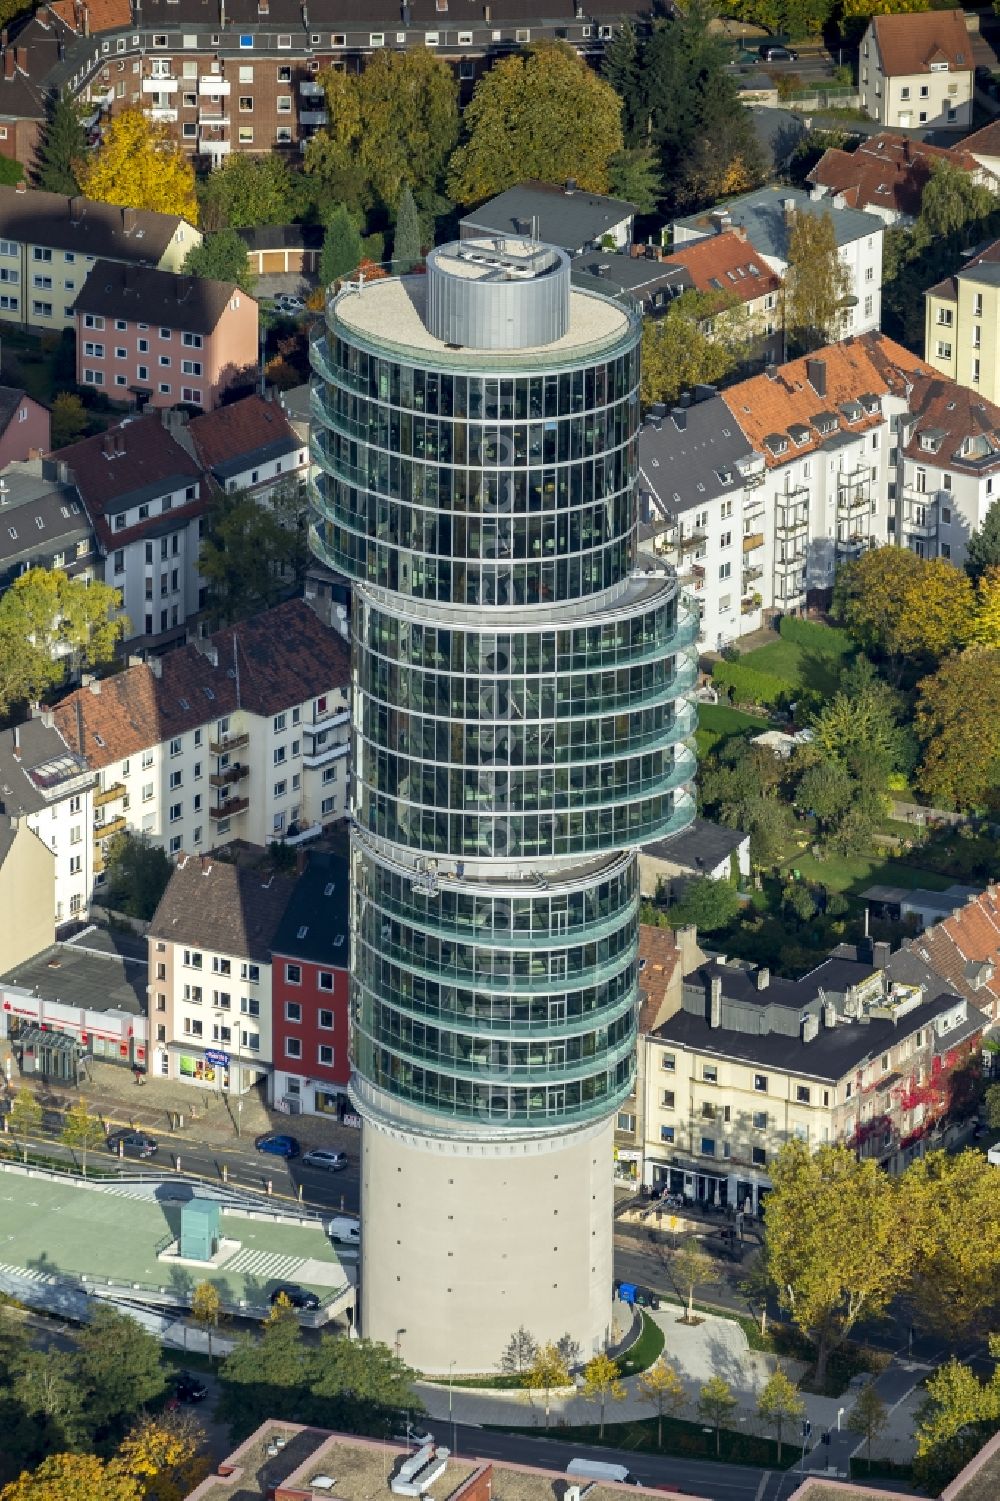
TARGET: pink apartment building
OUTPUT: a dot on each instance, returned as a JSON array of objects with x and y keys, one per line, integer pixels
[{"x": 159, "y": 339}]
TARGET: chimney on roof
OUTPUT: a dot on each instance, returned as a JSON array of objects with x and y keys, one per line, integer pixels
[
  {"x": 21, "y": 54},
  {"x": 570, "y": 187},
  {"x": 17, "y": 743},
  {"x": 95, "y": 687},
  {"x": 715, "y": 1002},
  {"x": 816, "y": 375},
  {"x": 771, "y": 370},
  {"x": 8, "y": 62},
  {"x": 155, "y": 665},
  {"x": 108, "y": 445},
  {"x": 119, "y": 441},
  {"x": 763, "y": 977},
  {"x": 47, "y": 718},
  {"x": 680, "y": 416},
  {"x": 880, "y": 954},
  {"x": 77, "y": 208},
  {"x": 788, "y": 209},
  {"x": 22, "y": 187},
  {"x": 128, "y": 220}
]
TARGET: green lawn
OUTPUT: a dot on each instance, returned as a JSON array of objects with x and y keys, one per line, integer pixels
[
  {"x": 718, "y": 721},
  {"x": 852, "y": 873},
  {"x": 811, "y": 658},
  {"x": 647, "y": 1348}
]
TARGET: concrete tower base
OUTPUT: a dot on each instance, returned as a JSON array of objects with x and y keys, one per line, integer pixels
[{"x": 464, "y": 1242}]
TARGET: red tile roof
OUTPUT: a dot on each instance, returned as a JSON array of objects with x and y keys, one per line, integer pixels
[
  {"x": 659, "y": 960},
  {"x": 868, "y": 365},
  {"x": 965, "y": 951},
  {"x": 244, "y": 427},
  {"x": 957, "y": 414},
  {"x": 888, "y": 171},
  {"x": 89, "y": 17},
  {"x": 908, "y": 44},
  {"x": 127, "y": 465},
  {"x": 984, "y": 142},
  {"x": 279, "y": 658},
  {"x": 726, "y": 263}
]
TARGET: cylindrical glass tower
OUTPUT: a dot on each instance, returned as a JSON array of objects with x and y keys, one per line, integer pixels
[{"x": 519, "y": 727}]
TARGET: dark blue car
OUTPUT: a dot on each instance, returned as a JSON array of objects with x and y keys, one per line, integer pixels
[{"x": 278, "y": 1145}]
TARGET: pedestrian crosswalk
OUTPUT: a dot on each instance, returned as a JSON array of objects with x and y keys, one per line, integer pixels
[
  {"x": 263, "y": 1263},
  {"x": 30, "y": 1274}
]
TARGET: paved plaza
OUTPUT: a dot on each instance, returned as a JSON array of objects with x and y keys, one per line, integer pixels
[{"x": 53, "y": 1230}]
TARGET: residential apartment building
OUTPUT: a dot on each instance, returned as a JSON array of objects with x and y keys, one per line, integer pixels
[
  {"x": 310, "y": 992},
  {"x": 767, "y": 216},
  {"x": 49, "y": 244},
  {"x": 699, "y": 486},
  {"x": 50, "y": 789},
  {"x": 161, "y": 338},
  {"x": 210, "y": 973},
  {"x": 748, "y": 1061},
  {"x": 964, "y": 950},
  {"x": 727, "y": 266},
  {"x": 146, "y": 496},
  {"x": 27, "y": 883},
  {"x": 242, "y": 735},
  {"x": 917, "y": 70},
  {"x": 43, "y": 525},
  {"x": 961, "y": 337},
  {"x": 948, "y": 469},
  {"x": 239, "y": 75},
  {"x": 887, "y": 174},
  {"x": 251, "y": 445}
]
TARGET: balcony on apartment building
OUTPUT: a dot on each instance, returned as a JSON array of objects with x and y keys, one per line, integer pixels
[
  {"x": 111, "y": 826},
  {"x": 160, "y": 85},
  {"x": 692, "y": 537},
  {"x": 852, "y": 546},
  {"x": 109, "y": 794},
  {"x": 919, "y": 512},
  {"x": 792, "y": 510},
  {"x": 322, "y": 755},
  {"x": 229, "y": 743},
  {"x": 213, "y": 84},
  {"x": 752, "y": 541},
  {"x": 231, "y": 808},
  {"x": 853, "y": 491},
  {"x": 692, "y": 578},
  {"x": 790, "y": 560},
  {"x": 229, "y": 777}
]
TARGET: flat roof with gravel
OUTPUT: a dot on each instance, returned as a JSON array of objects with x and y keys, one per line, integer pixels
[{"x": 83, "y": 1231}]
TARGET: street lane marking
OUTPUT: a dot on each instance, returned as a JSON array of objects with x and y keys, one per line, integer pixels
[{"x": 764, "y": 1481}]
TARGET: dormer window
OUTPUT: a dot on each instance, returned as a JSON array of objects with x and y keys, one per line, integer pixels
[
  {"x": 777, "y": 443},
  {"x": 942, "y": 67}
]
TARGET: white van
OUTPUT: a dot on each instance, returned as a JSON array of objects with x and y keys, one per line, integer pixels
[
  {"x": 594, "y": 1469},
  {"x": 344, "y": 1229}
]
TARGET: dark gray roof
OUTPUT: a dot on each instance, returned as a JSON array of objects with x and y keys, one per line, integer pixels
[
  {"x": 571, "y": 220},
  {"x": 212, "y": 904},
  {"x": 298, "y": 402},
  {"x": 701, "y": 846},
  {"x": 778, "y": 132},
  {"x": 835, "y": 976},
  {"x": 34, "y": 759},
  {"x": 830, "y": 1055},
  {"x": 682, "y": 468},
  {"x": 141, "y": 293},
  {"x": 43, "y": 514},
  {"x": 604, "y": 271},
  {"x": 283, "y": 237},
  {"x": 10, "y": 399},
  {"x": 762, "y": 215},
  {"x": 85, "y": 226},
  {"x": 320, "y": 905},
  {"x": 95, "y": 982}
]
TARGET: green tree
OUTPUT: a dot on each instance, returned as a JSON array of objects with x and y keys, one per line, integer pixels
[
  {"x": 541, "y": 113},
  {"x": 73, "y": 1477},
  {"x": 268, "y": 1375},
  {"x": 206, "y": 1309},
  {"x": 341, "y": 247},
  {"x": 69, "y": 419},
  {"x": 634, "y": 175},
  {"x": 82, "y": 1132},
  {"x": 252, "y": 554},
  {"x": 861, "y": 723},
  {"x": 836, "y": 1241},
  {"x": 982, "y": 551},
  {"x": 602, "y": 1384},
  {"x": 955, "y": 1278},
  {"x": 707, "y": 903},
  {"x": 245, "y": 191},
  {"x": 370, "y": 1382},
  {"x": 692, "y": 1267},
  {"x": 139, "y": 164},
  {"x": 547, "y": 1371},
  {"x": 45, "y": 1385},
  {"x": 993, "y": 1107},
  {"x": 137, "y": 873},
  {"x": 816, "y": 282},
  {"x": 956, "y": 1419},
  {"x": 779, "y": 1403},
  {"x": 958, "y": 723},
  {"x": 716, "y": 1401},
  {"x": 906, "y": 607},
  {"x": 661, "y": 1386},
  {"x": 24, "y": 1118},
  {"x": 406, "y": 241},
  {"x": 621, "y": 67},
  {"x": 62, "y": 148},
  {"x": 519, "y": 1352},
  {"x": 396, "y": 121},
  {"x": 868, "y": 1417},
  {"x": 951, "y": 199},
  {"x": 222, "y": 257},
  {"x": 119, "y": 1368},
  {"x": 700, "y": 339}
]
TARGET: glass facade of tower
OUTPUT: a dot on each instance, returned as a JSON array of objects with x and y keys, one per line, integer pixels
[{"x": 519, "y": 692}]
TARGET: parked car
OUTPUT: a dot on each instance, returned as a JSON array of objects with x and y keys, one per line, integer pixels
[
  {"x": 277, "y": 1144},
  {"x": 332, "y": 1162},
  {"x": 346, "y": 1229},
  {"x": 286, "y": 303},
  {"x": 299, "y": 1297},
  {"x": 132, "y": 1144},
  {"x": 774, "y": 52},
  {"x": 415, "y": 1437},
  {"x": 188, "y": 1388}
]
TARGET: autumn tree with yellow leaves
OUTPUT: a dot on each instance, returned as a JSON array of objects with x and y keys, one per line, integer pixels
[
  {"x": 904, "y": 607},
  {"x": 958, "y": 723},
  {"x": 140, "y": 165}
]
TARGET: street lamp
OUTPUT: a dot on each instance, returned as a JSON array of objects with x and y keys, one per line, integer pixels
[
  {"x": 451, "y": 1415},
  {"x": 399, "y": 1335}
]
